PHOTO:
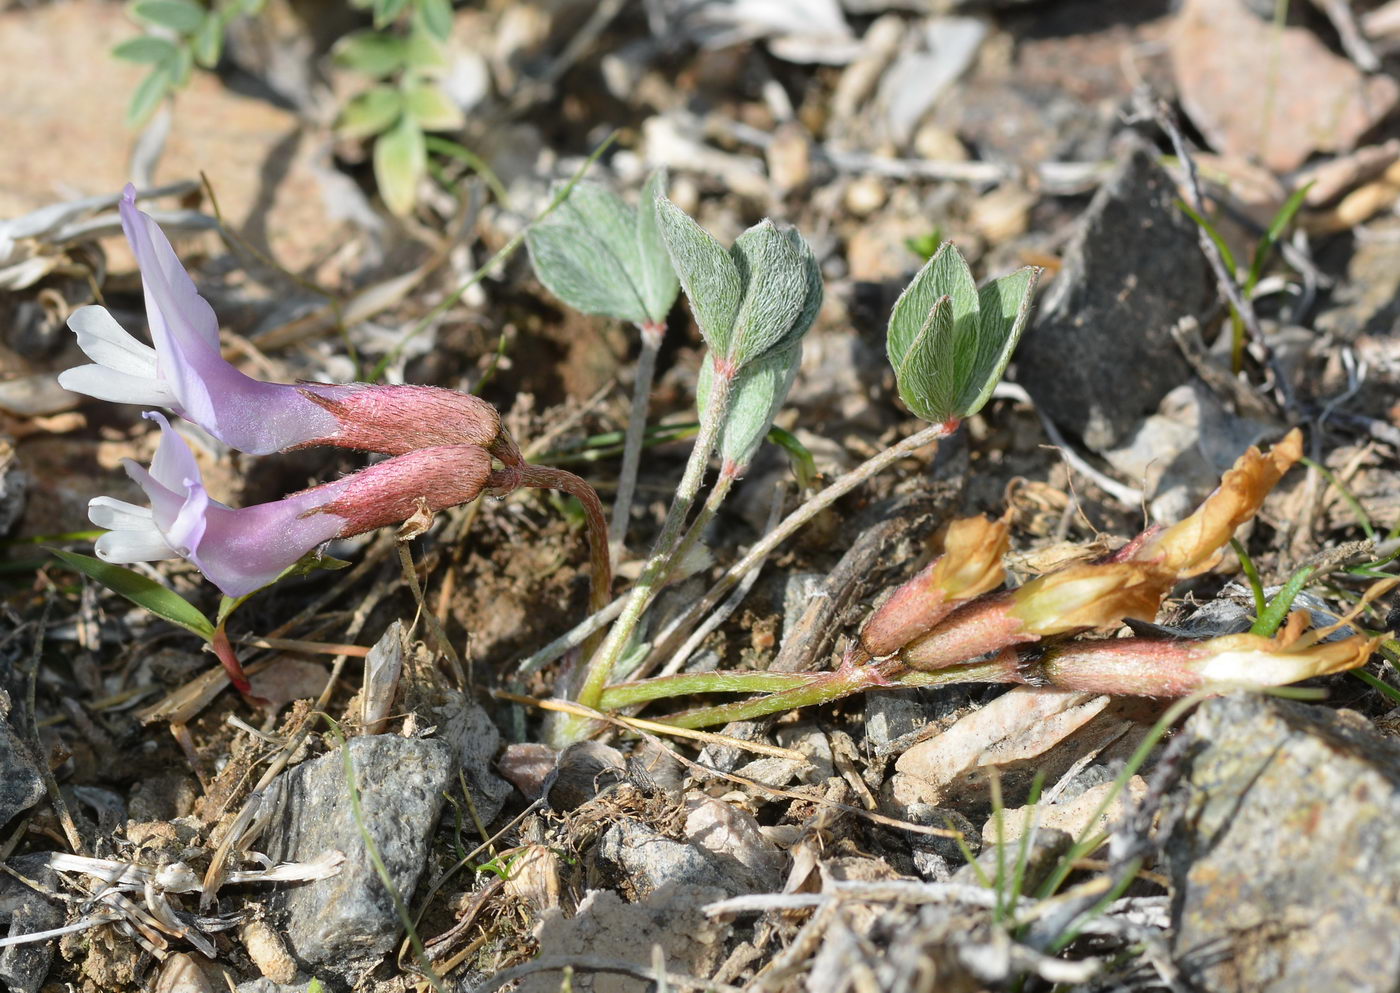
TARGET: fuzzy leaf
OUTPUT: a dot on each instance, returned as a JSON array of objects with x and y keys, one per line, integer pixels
[
  {"x": 141, "y": 591},
  {"x": 1005, "y": 309},
  {"x": 180, "y": 16},
  {"x": 208, "y": 42},
  {"x": 586, "y": 254},
  {"x": 925, "y": 373},
  {"x": 149, "y": 92},
  {"x": 425, "y": 53},
  {"x": 148, "y": 50},
  {"x": 707, "y": 274},
  {"x": 386, "y": 10},
  {"x": 371, "y": 112},
  {"x": 775, "y": 287},
  {"x": 945, "y": 274},
  {"x": 375, "y": 55},
  {"x": 432, "y": 108},
  {"x": 400, "y": 160},
  {"x": 436, "y": 16},
  {"x": 656, "y": 275},
  {"x": 755, "y": 398},
  {"x": 812, "y": 301}
]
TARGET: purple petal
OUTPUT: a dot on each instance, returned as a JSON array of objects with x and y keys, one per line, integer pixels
[
  {"x": 242, "y": 412},
  {"x": 244, "y": 550}
]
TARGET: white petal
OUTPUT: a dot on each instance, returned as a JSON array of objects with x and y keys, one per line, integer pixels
[
  {"x": 134, "y": 546},
  {"x": 109, "y": 344},
  {"x": 115, "y": 515},
  {"x": 119, "y": 387}
]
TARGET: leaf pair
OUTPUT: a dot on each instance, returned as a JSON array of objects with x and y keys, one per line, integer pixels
[
  {"x": 948, "y": 342},
  {"x": 759, "y": 297},
  {"x": 602, "y": 256}
]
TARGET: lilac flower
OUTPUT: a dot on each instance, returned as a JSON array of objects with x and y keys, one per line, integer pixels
[
  {"x": 187, "y": 373},
  {"x": 242, "y": 550}
]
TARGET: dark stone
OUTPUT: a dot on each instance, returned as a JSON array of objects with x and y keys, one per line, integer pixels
[
  {"x": 27, "y": 911},
  {"x": 347, "y": 921},
  {"x": 1100, "y": 355},
  {"x": 21, "y": 783},
  {"x": 1286, "y": 863}
]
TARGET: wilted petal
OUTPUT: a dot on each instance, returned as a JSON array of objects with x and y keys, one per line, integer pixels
[
  {"x": 1091, "y": 595},
  {"x": 108, "y": 344},
  {"x": 1193, "y": 545},
  {"x": 969, "y": 566},
  {"x": 103, "y": 383}
]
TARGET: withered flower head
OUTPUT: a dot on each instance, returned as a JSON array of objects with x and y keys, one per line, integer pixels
[
  {"x": 1092, "y": 595},
  {"x": 969, "y": 566},
  {"x": 1193, "y": 546}
]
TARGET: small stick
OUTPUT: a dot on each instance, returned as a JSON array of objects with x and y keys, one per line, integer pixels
[
  {"x": 637, "y": 724},
  {"x": 796, "y": 520}
]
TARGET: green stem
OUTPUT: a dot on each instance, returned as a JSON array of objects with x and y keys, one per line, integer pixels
[
  {"x": 652, "y": 334},
  {"x": 707, "y": 513},
  {"x": 693, "y": 683},
  {"x": 795, "y": 522},
  {"x": 843, "y": 682},
  {"x": 658, "y": 565}
]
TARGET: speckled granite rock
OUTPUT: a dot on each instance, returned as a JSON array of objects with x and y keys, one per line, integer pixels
[
  {"x": 1286, "y": 865},
  {"x": 347, "y": 921}
]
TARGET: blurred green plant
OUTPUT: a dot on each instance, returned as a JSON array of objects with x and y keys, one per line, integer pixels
[
  {"x": 406, "y": 100},
  {"x": 181, "y": 34}
]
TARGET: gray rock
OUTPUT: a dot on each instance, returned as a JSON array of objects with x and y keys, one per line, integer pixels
[
  {"x": 348, "y": 920},
  {"x": 24, "y": 966},
  {"x": 470, "y": 731},
  {"x": 640, "y": 861},
  {"x": 1286, "y": 863},
  {"x": 21, "y": 783},
  {"x": 1367, "y": 300},
  {"x": 1100, "y": 355}
]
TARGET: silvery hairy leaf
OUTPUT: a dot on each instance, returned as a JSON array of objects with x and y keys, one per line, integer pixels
[
  {"x": 601, "y": 256},
  {"x": 655, "y": 273},
  {"x": 775, "y": 290},
  {"x": 756, "y": 396},
  {"x": 950, "y": 343},
  {"x": 707, "y": 274}
]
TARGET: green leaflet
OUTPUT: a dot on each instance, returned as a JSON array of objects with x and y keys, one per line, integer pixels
[
  {"x": 707, "y": 274},
  {"x": 755, "y": 398},
  {"x": 949, "y": 343},
  {"x": 141, "y": 591},
  {"x": 601, "y": 256},
  {"x": 656, "y": 274}
]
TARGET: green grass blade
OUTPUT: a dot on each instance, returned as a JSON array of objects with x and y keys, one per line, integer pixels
[{"x": 141, "y": 591}]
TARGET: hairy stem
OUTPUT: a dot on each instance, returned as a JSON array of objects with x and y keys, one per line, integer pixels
[
  {"x": 718, "y": 493},
  {"x": 830, "y": 686},
  {"x": 794, "y": 522},
  {"x": 658, "y": 565},
  {"x": 652, "y": 334},
  {"x": 690, "y": 683},
  {"x": 548, "y": 478}
]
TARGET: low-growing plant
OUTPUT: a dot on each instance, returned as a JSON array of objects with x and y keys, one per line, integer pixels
[
  {"x": 181, "y": 34},
  {"x": 949, "y": 342},
  {"x": 402, "y": 56}
]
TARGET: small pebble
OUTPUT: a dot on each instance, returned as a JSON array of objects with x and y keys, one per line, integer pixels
[
  {"x": 268, "y": 951},
  {"x": 865, "y": 195}
]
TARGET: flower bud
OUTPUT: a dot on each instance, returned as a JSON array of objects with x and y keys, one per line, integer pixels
[
  {"x": 969, "y": 566},
  {"x": 1156, "y": 667}
]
